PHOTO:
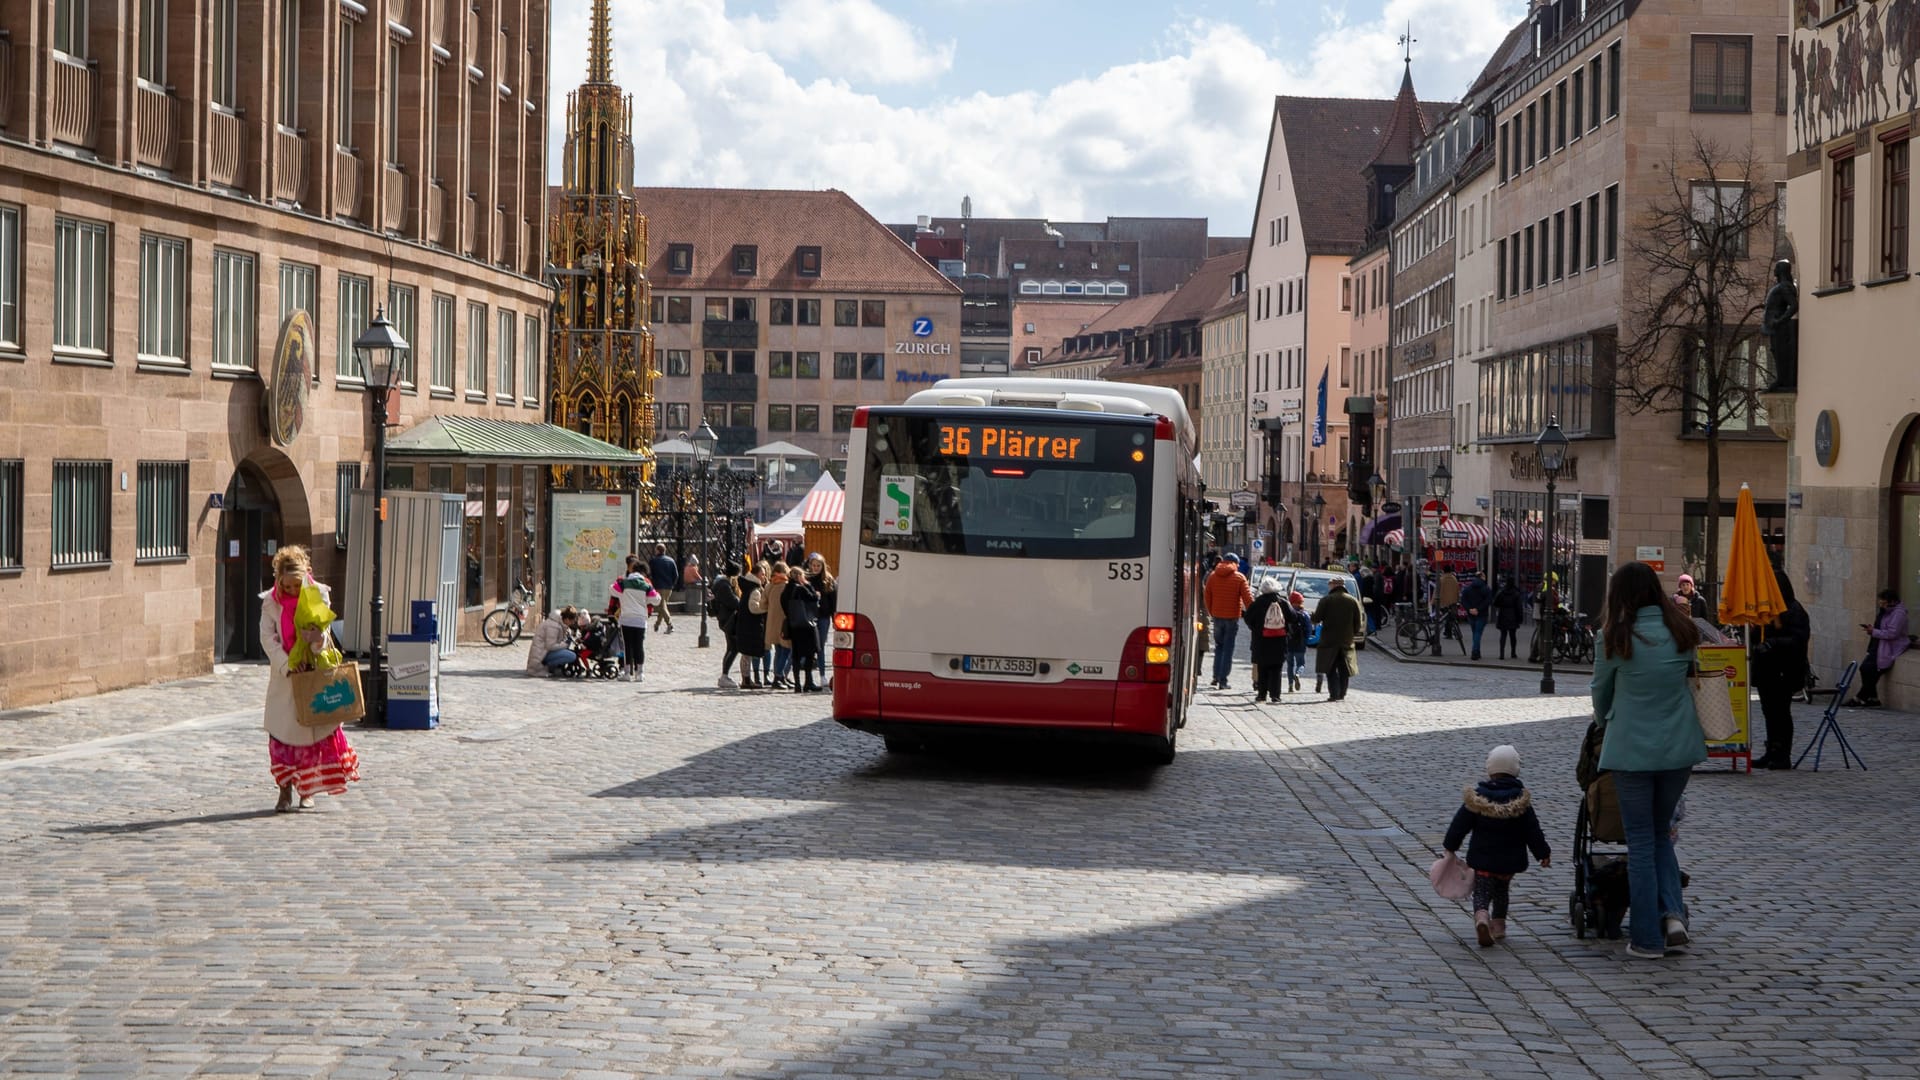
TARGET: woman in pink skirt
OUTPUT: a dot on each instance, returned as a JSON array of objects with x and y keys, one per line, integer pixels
[{"x": 305, "y": 760}]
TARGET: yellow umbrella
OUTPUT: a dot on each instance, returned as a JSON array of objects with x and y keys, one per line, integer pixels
[{"x": 1749, "y": 595}]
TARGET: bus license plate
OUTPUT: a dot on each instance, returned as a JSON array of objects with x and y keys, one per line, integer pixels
[{"x": 998, "y": 665}]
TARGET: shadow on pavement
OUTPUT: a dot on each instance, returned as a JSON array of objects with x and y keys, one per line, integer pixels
[{"x": 164, "y": 823}]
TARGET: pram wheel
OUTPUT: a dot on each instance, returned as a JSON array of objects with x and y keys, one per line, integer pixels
[{"x": 1577, "y": 913}]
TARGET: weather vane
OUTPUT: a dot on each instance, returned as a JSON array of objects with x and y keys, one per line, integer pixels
[{"x": 1408, "y": 41}]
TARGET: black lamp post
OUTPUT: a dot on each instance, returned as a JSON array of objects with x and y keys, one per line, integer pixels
[
  {"x": 1377, "y": 488},
  {"x": 704, "y": 441},
  {"x": 1552, "y": 448},
  {"x": 1319, "y": 508},
  {"x": 379, "y": 349},
  {"x": 1440, "y": 482}
]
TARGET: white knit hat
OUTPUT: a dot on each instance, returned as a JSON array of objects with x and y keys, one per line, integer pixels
[{"x": 1503, "y": 759}]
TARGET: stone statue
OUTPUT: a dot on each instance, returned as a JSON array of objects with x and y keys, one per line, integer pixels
[{"x": 1782, "y": 325}]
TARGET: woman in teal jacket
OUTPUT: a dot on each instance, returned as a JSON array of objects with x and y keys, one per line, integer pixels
[{"x": 1652, "y": 741}]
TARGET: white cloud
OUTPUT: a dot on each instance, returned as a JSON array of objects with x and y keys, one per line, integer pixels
[{"x": 1180, "y": 134}]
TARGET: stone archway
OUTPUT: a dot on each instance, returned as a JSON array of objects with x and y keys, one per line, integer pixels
[{"x": 266, "y": 508}]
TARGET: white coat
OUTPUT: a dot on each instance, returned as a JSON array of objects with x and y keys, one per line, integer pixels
[
  {"x": 551, "y": 634},
  {"x": 280, "y": 715}
]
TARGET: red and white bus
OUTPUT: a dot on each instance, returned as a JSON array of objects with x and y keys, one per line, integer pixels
[{"x": 1021, "y": 555}]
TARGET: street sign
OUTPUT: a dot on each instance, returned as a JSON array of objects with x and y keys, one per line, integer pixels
[
  {"x": 1240, "y": 500},
  {"x": 1259, "y": 544}
]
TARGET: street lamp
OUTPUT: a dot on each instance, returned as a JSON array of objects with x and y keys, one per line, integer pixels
[
  {"x": 1319, "y": 507},
  {"x": 1552, "y": 448},
  {"x": 704, "y": 441},
  {"x": 1440, "y": 482},
  {"x": 379, "y": 349}
]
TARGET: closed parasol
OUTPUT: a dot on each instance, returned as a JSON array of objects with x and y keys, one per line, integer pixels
[{"x": 1749, "y": 595}]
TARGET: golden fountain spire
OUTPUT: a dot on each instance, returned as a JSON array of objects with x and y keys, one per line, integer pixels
[{"x": 600, "y": 45}]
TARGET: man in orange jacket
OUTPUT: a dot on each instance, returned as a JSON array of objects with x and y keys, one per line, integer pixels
[{"x": 1227, "y": 594}]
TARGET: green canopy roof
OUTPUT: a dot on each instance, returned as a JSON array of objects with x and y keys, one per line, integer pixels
[{"x": 484, "y": 439}]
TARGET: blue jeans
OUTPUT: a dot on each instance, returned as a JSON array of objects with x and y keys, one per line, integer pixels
[
  {"x": 1479, "y": 629},
  {"x": 782, "y": 661},
  {"x": 1647, "y": 800},
  {"x": 1224, "y": 632},
  {"x": 559, "y": 658},
  {"x": 1296, "y": 661}
]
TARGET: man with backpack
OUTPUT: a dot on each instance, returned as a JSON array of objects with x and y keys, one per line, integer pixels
[{"x": 1267, "y": 617}]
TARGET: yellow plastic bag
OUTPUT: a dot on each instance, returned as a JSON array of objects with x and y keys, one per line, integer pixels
[{"x": 312, "y": 613}]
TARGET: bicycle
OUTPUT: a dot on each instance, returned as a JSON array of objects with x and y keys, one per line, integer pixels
[
  {"x": 1415, "y": 631},
  {"x": 502, "y": 625}
]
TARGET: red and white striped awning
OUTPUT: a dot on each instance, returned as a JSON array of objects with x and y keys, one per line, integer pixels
[
  {"x": 1455, "y": 534},
  {"x": 822, "y": 506}
]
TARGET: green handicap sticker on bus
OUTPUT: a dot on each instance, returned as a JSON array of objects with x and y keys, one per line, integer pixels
[{"x": 896, "y": 504}]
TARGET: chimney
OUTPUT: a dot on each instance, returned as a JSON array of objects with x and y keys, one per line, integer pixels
[{"x": 923, "y": 223}]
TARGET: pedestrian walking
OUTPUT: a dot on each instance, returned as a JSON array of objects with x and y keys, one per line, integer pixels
[
  {"x": 304, "y": 761},
  {"x": 1227, "y": 595},
  {"x": 1779, "y": 673},
  {"x": 1887, "y": 638},
  {"x": 1498, "y": 814},
  {"x": 1341, "y": 622},
  {"x": 1299, "y": 630},
  {"x": 723, "y": 601},
  {"x": 823, "y": 582},
  {"x": 1509, "y": 611},
  {"x": 750, "y": 633},
  {"x": 1266, "y": 619},
  {"x": 635, "y": 597},
  {"x": 777, "y": 624},
  {"x": 800, "y": 604},
  {"x": 1477, "y": 598},
  {"x": 1651, "y": 742},
  {"x": 665, "y": 575},
  {"x": 1689, "y": 599}
]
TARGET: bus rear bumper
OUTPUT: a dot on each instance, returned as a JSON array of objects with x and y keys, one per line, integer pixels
[{"x": 896, "y": 701}]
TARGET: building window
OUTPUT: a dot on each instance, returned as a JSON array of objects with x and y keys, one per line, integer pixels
[
  {"x": 1030, "y": 288},
  {"x": 846, "y": 365},
  {"x": 300, "y": 291},
  {"x": 1593, "y": 230},
  {"x": 806, "y": 365},
  {"x": 873, "y": 366},
  {"x": 740, "y": 415},
  {"x": 808, "y": 313},
  {"x": 356, "y": 294},
  {"x": 12, "y": 511},
  {"x": 843, "y": 418},
  {"x": 163, "y": 299},
  {"x": 82, "y": 513},
  {"x": 403, "y": 310},
  {"x": 680, "y": 309},
  {"x": 679, "y": 362},
  {"x": 442, "y": 343},
  {"x": 1722, "y": 73},
  {"x": 1559, "y": 245},
  {"x": 1750, "y": 371},
  {"x": 226, "y": 72},
  {"x": 746, "y": 260},
  {"x": 476, "y": 349},
  {"x": 503, "y": 355},
  {"x": 1840, "y": 227},
  {"x": 779, "y": 418},
  {"x": 806, "y": 418},
  {"x": 1780, "y": 73},
  {"x": 1613, "y": 222},
  {"x": 846, "y": 313},
  {"x": 743, "y": 363},
  {"x": 343, "y": 88},
  {"x": 10, "y": 281},
  {"x": 80, "y": 272},
  {"x": 393, "y": 103},
  {"x": 288, "y": 112},
  {"x": 873, "y": 313},
  {"x": 779, "y": 365},
  {"x": 346, "y": 479},
  {"x": 1718, "y": 210},
  {"x": 677, "y": 415},
  {"x": 716, "y": 362},
  {"x": 1503, "y": 152},
  {"x": 534, "y": 382},
  {"x": 153, "y": 41},
  {"x": 780, "y": 311},
  {"x": 1613, "y": 80},
  {"x": 1894, "y": 189},
  {"x": 160, "y": 509},
  {"x": 715, "y": 309},
  {"x": 234, "y": 304},
  {"x": 70, "y": 28},
  {"x": 1500, "y": 267},
  {"x": 743, "y": 308},
  {"x": 1579, "y": 111},
  {"x": 679, "y": 258},
  {"x": 1560, "y": 116},
  {"x": 1526, "y": 282},
  {"x": 806, "y": 261}
]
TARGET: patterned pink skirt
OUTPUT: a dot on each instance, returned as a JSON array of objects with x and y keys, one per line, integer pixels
[{"x": 326, "y": 767}]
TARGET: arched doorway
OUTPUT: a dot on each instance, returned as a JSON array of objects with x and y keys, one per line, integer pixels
[
  {"x": 250, "y": 532},
  {"x": 1903, "y": 540}
]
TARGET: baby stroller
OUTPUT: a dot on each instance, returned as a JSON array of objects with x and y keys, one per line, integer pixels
[
  {"x": 1601, "y": 897},
  {"x": 598, "y": 646}
]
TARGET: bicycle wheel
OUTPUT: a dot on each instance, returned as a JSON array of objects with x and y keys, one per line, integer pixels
[
  {"x": 1410, "y": 634},
  {"x": 501, "y": 627}
]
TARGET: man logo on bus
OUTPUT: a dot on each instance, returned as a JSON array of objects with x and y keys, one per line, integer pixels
[
  {"x": 896, "y": 507},
  {"x": 923, "y": 327}
]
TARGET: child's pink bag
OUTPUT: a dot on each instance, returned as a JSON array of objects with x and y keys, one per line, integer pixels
[{"x": 1451, "y": 877}]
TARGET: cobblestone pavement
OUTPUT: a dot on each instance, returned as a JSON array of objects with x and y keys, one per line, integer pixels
[{"x": 573, "y": 879}]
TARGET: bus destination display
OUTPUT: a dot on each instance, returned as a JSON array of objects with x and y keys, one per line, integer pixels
[{"x": 1015, "y": 442}]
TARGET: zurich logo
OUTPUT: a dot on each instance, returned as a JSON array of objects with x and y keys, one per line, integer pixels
[{"x": 923, "y": 327}]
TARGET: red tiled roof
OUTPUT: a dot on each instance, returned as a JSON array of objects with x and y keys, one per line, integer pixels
[
  {"x": 1329, "y": 140},
  {"x": 857, "y": 252},
  {"x": 1206, "y": 288},
  {"x": 1053, "y": 321}
]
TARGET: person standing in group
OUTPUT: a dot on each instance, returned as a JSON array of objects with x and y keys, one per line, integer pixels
[
  {"x": 1266, "y": 620},
  {"x": 777, "y": 624},
  {"x": 1373, "y": 597},
  {"x": 1509, "y": 611},
  {"x": 1779, "y": 672},
  {"x": 749, "y": 635},
  {"x": 1227, "y": 595},
  {"x": 1690, "y": 600},
  {"x": 800, "y": 606},
  {"x": 823, "y": 583},
  {"x": 1299, "y": 629},
  {"x": 303, "y": 760},
  {"x": 1887, "y": 638},
  {"x": 1446, "y": 591},
  {"x": 1341, "y": 624},
  {"x": 634, "y": 596},
  {"x": 665, "y": 575},
  {"x": 1498, "y": 813},
  {"x": 723, "y": 602},
  {"x": 1477, "y": 598},
  {"x": 1651, "y": 742}
]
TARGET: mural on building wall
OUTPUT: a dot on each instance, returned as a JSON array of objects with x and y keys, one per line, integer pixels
[{"x": 1855, "y": 71}]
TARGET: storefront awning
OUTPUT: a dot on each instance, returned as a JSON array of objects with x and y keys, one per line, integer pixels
[{"x": 479, "y": 438}]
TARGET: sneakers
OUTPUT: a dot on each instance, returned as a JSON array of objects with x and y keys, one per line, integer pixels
[
  {"x": 1639, "y": 953},
  {"x": 1676, "y": 932},
  {"x": 726, "y": 683}
]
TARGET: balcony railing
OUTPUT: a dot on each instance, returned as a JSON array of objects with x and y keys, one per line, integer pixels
[
  {"x": 74, "y": 117},
  {"x": 473, "y": 37},
  {"x": 346, "y": 183},
  {"x": 226, "y": 143},
  {"x": 736, "y": 440},
  {"x": 470, "y": 228},
  {"x": 727, "y": 387},
  {"x": 289, "y": 165},
  {"x": 155, "y": 113},
  {"x": 497, "y": 252},
  {"x": 730, "y": 334},
  {"x": 436, "y": 213},
  {"x": 395, "y": 196}
]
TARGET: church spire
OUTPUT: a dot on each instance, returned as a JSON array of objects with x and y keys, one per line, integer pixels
[{"x": 600, "y": 45}]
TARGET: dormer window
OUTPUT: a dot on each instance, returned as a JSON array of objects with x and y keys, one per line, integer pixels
[
  {"x": 679, "y": 258},
  {"x": 806, "y": 261},
  {"x": 746, "y": 260}
]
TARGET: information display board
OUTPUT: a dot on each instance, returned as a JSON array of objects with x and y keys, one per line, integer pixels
[
  {"x": 1730, "y": 660},
  {"x": 590, "y": 535}
]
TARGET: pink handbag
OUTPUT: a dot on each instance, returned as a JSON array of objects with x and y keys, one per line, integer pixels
[{"x": 1451, "y": 877}]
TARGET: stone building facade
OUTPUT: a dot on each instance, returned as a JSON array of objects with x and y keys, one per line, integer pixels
[{"x": 180, "y": 184}]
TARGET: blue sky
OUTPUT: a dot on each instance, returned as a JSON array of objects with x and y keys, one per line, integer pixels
[{"x": 1068, "y": 109}]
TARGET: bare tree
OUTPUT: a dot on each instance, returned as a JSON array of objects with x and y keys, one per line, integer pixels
[{"x": 1692, "y": 305}]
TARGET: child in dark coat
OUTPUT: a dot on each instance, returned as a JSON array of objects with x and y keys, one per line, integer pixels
[{"x": 1498, "y": 812}]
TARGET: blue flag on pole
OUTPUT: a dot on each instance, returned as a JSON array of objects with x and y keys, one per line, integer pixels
[{"x": 1320, "y": 421}]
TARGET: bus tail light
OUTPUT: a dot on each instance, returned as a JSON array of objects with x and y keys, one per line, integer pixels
[
  {"x": 854, "y": 642},
  {"x": 1148, "y": 657}
]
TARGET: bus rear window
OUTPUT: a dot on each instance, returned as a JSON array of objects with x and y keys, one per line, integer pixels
[{"x": 968, "y": 485}]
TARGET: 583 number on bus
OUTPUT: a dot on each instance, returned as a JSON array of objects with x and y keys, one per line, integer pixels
[
  {"x": 1126, "y": 571},
  {"x": 880, "y": 560}
]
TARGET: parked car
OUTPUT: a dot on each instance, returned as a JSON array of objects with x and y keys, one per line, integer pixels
[{"x": 1313, "y": 584}]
